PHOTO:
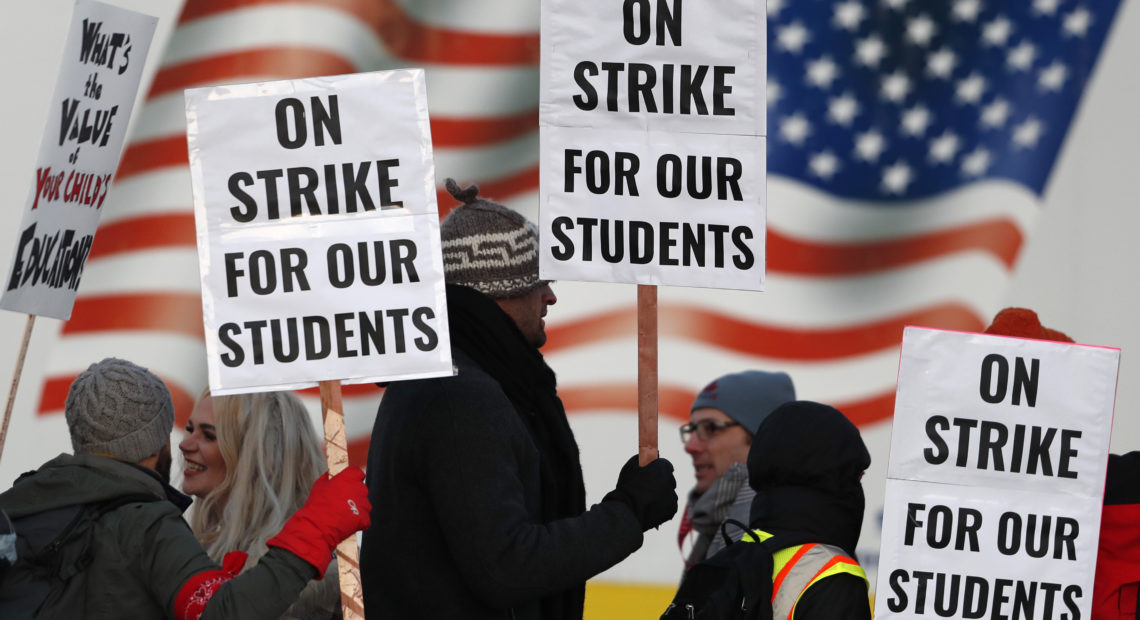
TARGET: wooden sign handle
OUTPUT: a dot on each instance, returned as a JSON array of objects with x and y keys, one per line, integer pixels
[
  {"x": 646, "y": 373},
  {"x": 16, "y": 380},
  {"x": 336, "y": 453}
]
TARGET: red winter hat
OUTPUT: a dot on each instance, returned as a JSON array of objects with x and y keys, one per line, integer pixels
[{"x": 1023, "y": 323}]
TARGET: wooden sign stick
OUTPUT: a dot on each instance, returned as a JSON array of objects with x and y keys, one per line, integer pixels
[
  {"x": 336, "y": 453},
  {"x": 646, "y": 373},
  {"x": 16, "y": 380}
]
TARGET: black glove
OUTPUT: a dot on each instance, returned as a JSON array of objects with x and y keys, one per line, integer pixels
[{"x": 650, "y": 491}]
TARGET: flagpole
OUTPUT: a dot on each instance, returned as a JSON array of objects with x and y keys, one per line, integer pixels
[
  {"x": 646, "y": 373},
  {"x": 336, "y": 453},
  {"x": 16, "y": 380}
]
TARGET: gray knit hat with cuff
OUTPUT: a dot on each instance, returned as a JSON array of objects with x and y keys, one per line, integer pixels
[
  {"x": 488, "y": 247},
  {"x": 119, "y": 409},
  {"x": 747, "y": 397}
]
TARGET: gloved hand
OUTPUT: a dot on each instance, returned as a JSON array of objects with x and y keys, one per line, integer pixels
[
  {"x": 650, "y": 491},
  {"x": 337, "y": 507}
]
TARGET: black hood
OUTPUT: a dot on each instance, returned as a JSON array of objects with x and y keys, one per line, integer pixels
[{"x": 805, "y": 464}]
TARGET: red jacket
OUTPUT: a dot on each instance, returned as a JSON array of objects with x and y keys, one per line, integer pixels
[{"x": 1117, "y": 583}]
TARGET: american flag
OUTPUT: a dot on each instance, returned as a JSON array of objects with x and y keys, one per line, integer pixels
[{"x": 910, "y": 144}]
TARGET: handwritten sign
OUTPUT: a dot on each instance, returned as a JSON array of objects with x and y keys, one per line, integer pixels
[{"x": 94, "y": 94}]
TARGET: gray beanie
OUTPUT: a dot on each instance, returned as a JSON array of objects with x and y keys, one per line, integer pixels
[
  {"x": 488, "y": 247},
  {"x": 747, "y": 397},
  {"x": 119, "y": 409}
]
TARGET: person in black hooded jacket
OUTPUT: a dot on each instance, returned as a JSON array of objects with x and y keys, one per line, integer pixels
[{"x": 806, "y": 463}]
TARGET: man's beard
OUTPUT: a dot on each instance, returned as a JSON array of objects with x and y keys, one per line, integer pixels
[{"x": 162, "y": 467}]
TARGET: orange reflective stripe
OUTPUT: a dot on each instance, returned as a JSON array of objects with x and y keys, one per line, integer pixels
[
  {"x": 779, "y": 579},
  {"x": 832, "y": 562},
  {"x": 839, "y": 564},
  {"x": 844, "y": 565}
]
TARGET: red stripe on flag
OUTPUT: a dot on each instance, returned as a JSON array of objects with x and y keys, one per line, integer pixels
[
  {"x": 350, "y": 390},
  {"x": 418, "y": 42},
  {"x": 169, "y": 152},
  {"x": 453, "y": 132},
  {"x": 746, "y": 337},
  {"x": 672, "y": 401},
  {"x": 403, "y": 36},
  {"x": 177, "y": 313},
  {"x": 787, "y": 254},
  {"x": 164, "y": 230},
  {"x": 276, "y": 62},
  {"x": 142, "y": 157},
  {"x": 53, "y": 398},
  {"x": 358, "y": 451}
]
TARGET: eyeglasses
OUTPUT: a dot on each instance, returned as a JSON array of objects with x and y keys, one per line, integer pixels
[{"x": 705, "y": 429}]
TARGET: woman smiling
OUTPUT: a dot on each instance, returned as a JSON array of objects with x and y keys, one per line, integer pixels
[{"x": 250, "y": 460}]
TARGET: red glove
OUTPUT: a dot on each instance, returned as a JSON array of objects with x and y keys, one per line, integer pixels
[{"x": 337, "y": 507}]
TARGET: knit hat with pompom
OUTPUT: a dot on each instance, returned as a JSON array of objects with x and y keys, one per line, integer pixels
[{"x": 488, "y": 247}]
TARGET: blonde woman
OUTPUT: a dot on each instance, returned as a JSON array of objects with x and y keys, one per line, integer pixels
[{"x": 250, "y": 460}]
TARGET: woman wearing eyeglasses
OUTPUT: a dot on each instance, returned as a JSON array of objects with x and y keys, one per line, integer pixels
[{"x": 722, "y": 421}]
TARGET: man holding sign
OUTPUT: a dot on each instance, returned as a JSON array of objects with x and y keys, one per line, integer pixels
[{"x": 480, "y": 503}]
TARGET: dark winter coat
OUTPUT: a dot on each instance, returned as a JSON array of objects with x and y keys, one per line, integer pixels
[
  {"x": 478, "y": 506},
  {"x": 145, "y": 552}
]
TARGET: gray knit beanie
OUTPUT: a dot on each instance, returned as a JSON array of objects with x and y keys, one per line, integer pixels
[
  {"x": 119, "y": 409},
  {"x": 488, "y": 247},
  {"x": 747, "y": 397}
]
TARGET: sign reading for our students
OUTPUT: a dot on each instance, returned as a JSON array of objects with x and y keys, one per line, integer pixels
[
  {"x": 103, "y": 61},
  {"x": 995, "y": 482},
  {"x": 318, "y": 232},
  {"x": 652, "y": 124}
]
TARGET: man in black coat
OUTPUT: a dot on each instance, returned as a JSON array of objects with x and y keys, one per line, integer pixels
[{"x": 477, "y": 492}]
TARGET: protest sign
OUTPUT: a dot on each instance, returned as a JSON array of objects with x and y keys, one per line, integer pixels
[
  {"x": 318, "y": 231},
  {"x": 91, "y": 107},
  {"x": 652, "y": 124},
  {"x": 994, "y": 486}
]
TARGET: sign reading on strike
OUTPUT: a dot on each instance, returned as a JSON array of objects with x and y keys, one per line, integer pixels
[
  {"x": 651, "y": 124},
  {"x": 91, "y": 107},
  {"x": 995, "y": 482},
  {"x": 318, "y": 231}
]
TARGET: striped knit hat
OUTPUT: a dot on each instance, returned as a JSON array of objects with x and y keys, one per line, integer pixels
[{"x": 488, "y": 247}]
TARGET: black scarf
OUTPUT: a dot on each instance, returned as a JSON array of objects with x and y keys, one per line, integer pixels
[{"x": 481, "y": 329}]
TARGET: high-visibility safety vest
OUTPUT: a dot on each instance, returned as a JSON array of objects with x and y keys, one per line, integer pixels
[{"x": 797, "y": 568}]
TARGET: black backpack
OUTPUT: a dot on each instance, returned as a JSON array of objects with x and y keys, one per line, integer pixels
[
  {"x": 53, "y": 550},
  {"x": 735, "y": 583}
]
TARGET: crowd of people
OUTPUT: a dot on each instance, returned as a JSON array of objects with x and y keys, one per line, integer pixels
[{"x": 475, "y": 505}]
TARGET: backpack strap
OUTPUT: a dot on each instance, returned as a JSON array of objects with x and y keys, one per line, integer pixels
[
  {"x": 92, "y": 512},
  {"x": 728, "y": 540}
]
